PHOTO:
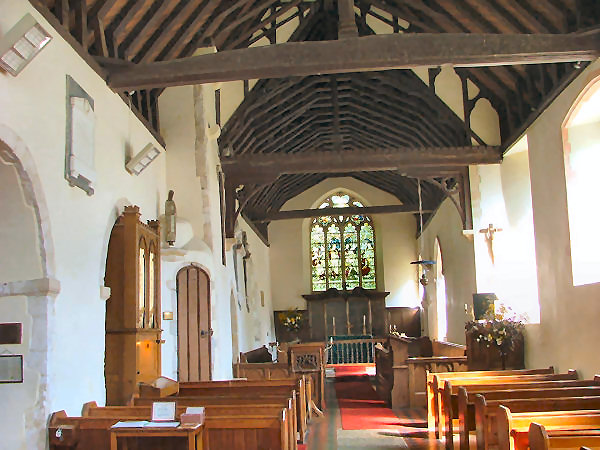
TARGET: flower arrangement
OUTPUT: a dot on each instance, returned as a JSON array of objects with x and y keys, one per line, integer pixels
[
  {"x": 291, "y": 319},
  {"x": 500, "y": 328}
]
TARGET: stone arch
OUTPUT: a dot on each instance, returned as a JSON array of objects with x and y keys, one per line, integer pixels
[
  {"x": 15, "y": 151},
  {"x": 26, "y": 225}
]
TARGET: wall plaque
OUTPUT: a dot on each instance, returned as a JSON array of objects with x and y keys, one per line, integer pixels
[
  {"x": 11, "y": 368},
  {"x": 11, "y": 333}
]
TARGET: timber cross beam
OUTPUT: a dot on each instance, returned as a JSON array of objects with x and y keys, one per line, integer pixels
[
  {"x": 360, "y": 54},
  {"x": 265, "y": 167}
]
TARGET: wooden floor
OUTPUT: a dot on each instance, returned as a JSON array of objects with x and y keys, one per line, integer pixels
[{"x": 322, "y": 434}]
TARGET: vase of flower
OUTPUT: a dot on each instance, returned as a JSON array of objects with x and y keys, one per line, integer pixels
[{"x": 496, "y": 341}]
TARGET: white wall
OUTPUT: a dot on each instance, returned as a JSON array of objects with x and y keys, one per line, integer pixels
[
  {"x": 568, "y": 328},
  {"x": 186, "y": 114},
  {"x": 501, "y": 196},
  {"x": 459, "y": 271},
  {"x": 33, "y": 117},
  {"x": 394, "y": 235}
]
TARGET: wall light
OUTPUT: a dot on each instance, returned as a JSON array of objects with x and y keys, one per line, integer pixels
[
  {"x": 21, "y": 44},
  {"x": 139, "y": 162},
  {"x": 167, "y": 315}
]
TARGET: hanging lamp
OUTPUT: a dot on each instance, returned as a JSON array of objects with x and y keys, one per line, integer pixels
[{"x": 423, "y": 262}]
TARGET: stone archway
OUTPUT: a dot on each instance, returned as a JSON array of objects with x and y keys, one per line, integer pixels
[{"x": 27, "y": 291}]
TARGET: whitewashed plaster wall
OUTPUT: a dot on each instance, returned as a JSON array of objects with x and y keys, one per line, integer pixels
[
  {"x": 188, "y": 124},
  {"x": 458, "y": 269},
  {"x": 33, "y": 116},
  {"x": 395, "y": 247},
  {"x": 501, "y": 196},
  {"x": 568, "y": 327}
]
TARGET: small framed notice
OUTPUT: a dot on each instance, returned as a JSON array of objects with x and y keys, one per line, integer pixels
[
  {"x": 163, "y": 411},
  {"x": 11, "y": 368}
]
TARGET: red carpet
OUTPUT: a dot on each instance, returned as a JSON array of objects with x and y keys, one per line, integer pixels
[
  {"x": 354, "y": 369},
  {"x": 361, "y": 408}
]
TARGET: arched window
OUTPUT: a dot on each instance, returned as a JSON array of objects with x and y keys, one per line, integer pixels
[
  {"x": 342, "y": 248},
  {"x": 581, "y": 141}
]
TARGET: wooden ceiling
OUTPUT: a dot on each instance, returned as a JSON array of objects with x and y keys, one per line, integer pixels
[{"x": 369, "y": 115}]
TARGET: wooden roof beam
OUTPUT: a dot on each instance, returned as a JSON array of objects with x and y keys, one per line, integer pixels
[
  {"x": 269, "y": 166},
  {"x": 368, "y": 53},
  {"x": 367, "y": 210}
]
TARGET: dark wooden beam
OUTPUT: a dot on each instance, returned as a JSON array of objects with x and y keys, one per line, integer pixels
[
  {"x": 269, "y": 166},
  {"x": 393, "y": 51},
  {"x": 347, "y": 23},
  {"x": 367, "y": 210}
]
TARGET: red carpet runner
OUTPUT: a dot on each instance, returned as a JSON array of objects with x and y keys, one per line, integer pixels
[{"x": 361, "y": 408}]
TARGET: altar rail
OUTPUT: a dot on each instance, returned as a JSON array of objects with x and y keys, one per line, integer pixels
[{"x": 352, "y": 351}]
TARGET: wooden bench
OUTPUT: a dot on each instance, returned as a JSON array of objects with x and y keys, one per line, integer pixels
[
  {"x": 435, "y": 382},
  {"x": 486, "y": 413},
  {"x": 252, "y": 389},
  {"x": 409, "y": 358},
  {"x": 446, "y": 402},
  {"x": 542, "y": 439},
  {"x": 447, "y": 397},
  {"x": 223, "y": 428},
  {"x": 224, "y": 407},
  {"x": 466, "y": 398},
  {"x": 513, "y": 428}
]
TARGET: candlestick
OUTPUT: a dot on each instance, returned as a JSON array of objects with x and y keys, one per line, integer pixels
[
  {"x": 364, "y": 324},
  {"x": 333, "y": 323}
]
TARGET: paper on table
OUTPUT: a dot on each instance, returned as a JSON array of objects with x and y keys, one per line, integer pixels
[
  {"x": 195, "y": 410},
  {"x": 130, "y": 424},
  {"x": 162, "y": 424},
  {"x": 163, "y": 411}
]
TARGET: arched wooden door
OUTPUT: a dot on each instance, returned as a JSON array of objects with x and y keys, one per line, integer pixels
[{"x": 193, "y": 324}]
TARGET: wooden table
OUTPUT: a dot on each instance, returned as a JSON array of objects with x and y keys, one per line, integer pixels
[{"x": 189, "y": 431}]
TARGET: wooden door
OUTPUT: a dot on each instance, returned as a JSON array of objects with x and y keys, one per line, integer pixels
[{"x": 193, "y": 324}]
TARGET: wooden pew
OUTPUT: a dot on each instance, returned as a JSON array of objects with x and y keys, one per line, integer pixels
[
  {"x": 252, "y": 389},
  {"x": 513, "y": 428},
  {"x": 466, "y": 398},
  {"x": 542, "y": 439},
  {"x": 436, "y": 380},
  {"x": 486, "y": 413},
  {"x": 223, "y": 429},
  {"x": 224, "y": 407},
  {"x": 447, "y": 402}
]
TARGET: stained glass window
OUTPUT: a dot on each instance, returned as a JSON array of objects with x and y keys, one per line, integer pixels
[{"x": 342, "y": 248}]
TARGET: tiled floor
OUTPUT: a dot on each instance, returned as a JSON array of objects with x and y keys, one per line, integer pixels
[{"x": 323, "y": 433}]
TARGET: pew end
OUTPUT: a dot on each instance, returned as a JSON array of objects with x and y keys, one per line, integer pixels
[
  {"x": 85, "y": 409},
  {"x": 62, "y": 435},
  {"x": 160, "y": 387},
  {"x": 505, "y": 440},
  {"x": 538, "y": 437}
]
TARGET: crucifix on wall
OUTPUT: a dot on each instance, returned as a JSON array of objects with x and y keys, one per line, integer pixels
[
  {"x": 245, "y": 256},
  {"x": 489, "y": 237}
]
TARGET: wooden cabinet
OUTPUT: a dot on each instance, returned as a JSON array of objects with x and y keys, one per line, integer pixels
[
  {"x": 133, "y": 334},
  {"x": 482, "y": 357}
]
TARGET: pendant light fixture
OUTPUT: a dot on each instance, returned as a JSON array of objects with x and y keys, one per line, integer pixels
[{"x": 425, "y": 264}]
